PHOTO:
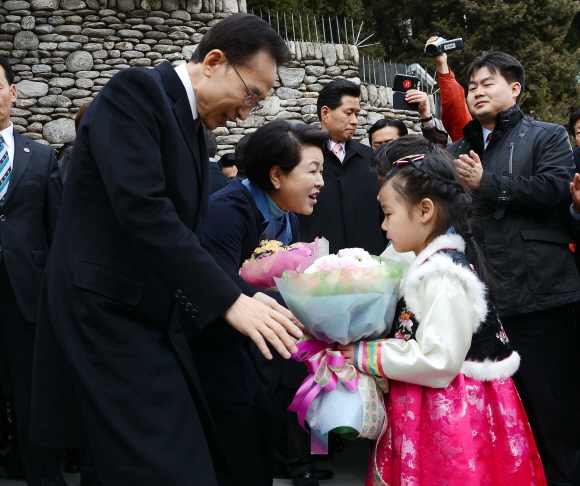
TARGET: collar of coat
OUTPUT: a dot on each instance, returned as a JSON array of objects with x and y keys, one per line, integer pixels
[
  {"x": 349, "y": 147},
  {"x": 504, "y": 121},
  {"x": 430, "y": 262}
]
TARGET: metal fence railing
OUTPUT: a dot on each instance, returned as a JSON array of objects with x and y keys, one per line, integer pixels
[
  {"x": 325, "y": 29},
  {"x": 314, "y": 28}
]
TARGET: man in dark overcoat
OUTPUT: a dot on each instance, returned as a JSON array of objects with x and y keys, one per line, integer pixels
[
  {"x": 347, "y": 214},
  {"x": 127, "y": 261}
]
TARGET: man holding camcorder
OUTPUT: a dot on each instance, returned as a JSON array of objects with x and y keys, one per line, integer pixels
[{"x": 454, "y": 112}]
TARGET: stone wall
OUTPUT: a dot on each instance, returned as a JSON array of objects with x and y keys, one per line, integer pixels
[{"x": 64, "y": 51}]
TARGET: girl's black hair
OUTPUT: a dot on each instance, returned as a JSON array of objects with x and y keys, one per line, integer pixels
[
  {"x": 384, "y": 156},
  {"x": 434, "y": 177}
]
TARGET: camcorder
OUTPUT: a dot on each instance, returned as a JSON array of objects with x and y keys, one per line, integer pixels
[{"x": 442, "y": 45}]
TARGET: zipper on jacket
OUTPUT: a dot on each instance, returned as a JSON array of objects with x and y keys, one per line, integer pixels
[{"x": 511, "y": 158}]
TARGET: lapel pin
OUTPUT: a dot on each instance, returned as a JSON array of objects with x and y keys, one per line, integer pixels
[{"x": 27, "y": 150}]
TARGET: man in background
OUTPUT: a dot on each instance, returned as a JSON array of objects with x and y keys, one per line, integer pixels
[
  {"x": 218, "y": 179},
  {"x": 454, "y": 112},
  {"x": 240, "y": 148},
  {"x": 520, "y": 170},
  {"x": 574, "y": 125},
  {"x": 30, "y": 196},
  {"x": 387, "y": 130},
  {"x": 228, "y": 165},
  {"x": 347, "y": 212}
]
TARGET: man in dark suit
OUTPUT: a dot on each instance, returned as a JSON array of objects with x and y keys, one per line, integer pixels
[
  {"x": 218, "y": 179},
  {"x": 347, "y": 214},
  {"x": 127, "y": 261},
  {"x": 228, "y": 165},
  {"x": 30, "y": 195},
  {"x": 575, "y": 132}
]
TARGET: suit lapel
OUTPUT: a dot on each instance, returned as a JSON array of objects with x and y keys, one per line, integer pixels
[
  {"x": 182, "y": 111},
  {"x": 20, "y": 162},
  {"x": 205, "y": 184},
  {"x": 349, "y": 151}
]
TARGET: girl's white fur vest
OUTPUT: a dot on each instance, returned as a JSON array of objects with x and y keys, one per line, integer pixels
[{"x": 456, "y": 327}]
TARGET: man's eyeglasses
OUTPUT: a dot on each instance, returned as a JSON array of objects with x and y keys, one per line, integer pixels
[{"x": 252, "y": 99}]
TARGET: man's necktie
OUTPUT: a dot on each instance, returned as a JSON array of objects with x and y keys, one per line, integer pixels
[
  {"x": 337, "y": 150},
  {"x": 5, "y": 170},
  {"x": 488, "y": 139}
]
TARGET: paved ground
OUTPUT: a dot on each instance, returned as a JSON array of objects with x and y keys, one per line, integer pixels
[{"x": 350, "y": 468}]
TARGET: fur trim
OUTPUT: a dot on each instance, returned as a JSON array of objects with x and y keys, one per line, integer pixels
[
  {"x": 451, "y": 241},
  {"x": 428, "y": 263},
  {"x": 492, "y": 370}
]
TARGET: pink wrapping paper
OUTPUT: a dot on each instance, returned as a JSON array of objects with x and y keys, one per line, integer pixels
[{"x": 261, "y": 273}]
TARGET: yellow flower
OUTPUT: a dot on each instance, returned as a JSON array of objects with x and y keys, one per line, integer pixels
[{"x": 273, "y": 245}]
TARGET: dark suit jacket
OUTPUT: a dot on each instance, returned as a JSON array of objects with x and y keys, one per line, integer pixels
[
  {"x": 232, "y": 234},
  {"x": 28, "y": 219},
  {"x": 348, "y": 214},
  {"x": 127, "y": 261},
  {"x": 218, "y": 179}
]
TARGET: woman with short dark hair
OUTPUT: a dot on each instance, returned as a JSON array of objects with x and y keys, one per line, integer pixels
[{"x": 283, "y": 162}]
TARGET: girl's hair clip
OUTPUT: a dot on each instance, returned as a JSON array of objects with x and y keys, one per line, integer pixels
[{"x": 409, "y": 159}]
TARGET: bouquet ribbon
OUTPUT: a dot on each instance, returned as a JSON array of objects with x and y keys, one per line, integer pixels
[{"x": 326, "y": 367}]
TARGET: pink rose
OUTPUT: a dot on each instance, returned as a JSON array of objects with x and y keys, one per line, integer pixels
[{"x": 332, "y": 262}]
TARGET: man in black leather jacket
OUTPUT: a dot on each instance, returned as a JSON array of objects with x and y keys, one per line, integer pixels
[{"x": 519, "y": 171}]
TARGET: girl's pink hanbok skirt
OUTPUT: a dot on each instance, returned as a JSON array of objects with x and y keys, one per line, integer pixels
[{"x": 472, "y": 433}]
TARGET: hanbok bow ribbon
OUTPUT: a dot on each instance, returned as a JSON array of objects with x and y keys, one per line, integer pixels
[{"x": 326, "y": 368}]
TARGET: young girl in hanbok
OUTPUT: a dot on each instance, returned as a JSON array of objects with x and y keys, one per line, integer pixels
[{"x": 454, "y": 415}]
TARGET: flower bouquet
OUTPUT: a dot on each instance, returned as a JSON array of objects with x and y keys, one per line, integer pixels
[
  {"x": 341, "y": 298},
  {"x": 271, "y": 259}
]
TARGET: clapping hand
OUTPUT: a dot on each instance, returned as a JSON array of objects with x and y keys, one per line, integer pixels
[
  {"x": 469, "y": 170},
  {"x": 575, "y": 191},
  {"x": 261, "y": 318}
]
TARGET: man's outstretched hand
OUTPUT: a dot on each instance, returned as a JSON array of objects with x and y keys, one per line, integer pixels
[
  {"x": 270, "y": 302},
  {"x": 263, "y": 322}
]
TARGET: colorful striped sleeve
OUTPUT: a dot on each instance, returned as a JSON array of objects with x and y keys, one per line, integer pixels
[{"x": 367, "y": 357}]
